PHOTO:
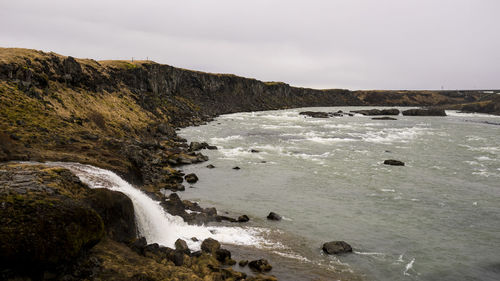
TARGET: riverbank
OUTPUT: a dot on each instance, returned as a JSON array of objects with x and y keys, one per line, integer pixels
[{"x": 122, "y": 115}]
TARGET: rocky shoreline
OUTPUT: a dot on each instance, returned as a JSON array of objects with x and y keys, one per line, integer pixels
[{"x": 123, "y": 116}]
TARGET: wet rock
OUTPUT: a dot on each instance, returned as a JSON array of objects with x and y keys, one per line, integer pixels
[
  {"x": 138, "y": 245},
  {"x": 210, "y": 245},
  {"x": 315, "y": 114},
  {"x": 393, "y": 162},
  {"x": 254, "y": 151},
  {"x": 210, "y": 166},
  {"x": 195, "y": 146},
  {"x": 273, "y": 216},
  {"x": 336, "y": 247},
  {"x": 384, "y": 118},
  {"x": 243, "y": 263},
  {"x": 117, "y": 212},
  {"x": 424, "y": 112},
  {"x": 243, "y": 218},
  {"x": 181, "y": 245},
  {"x": 191, "y": 178},
  {"x": 261, "y": 265},
  {"x": 211, "y": 147},
  {"x": 236, "y": 168}
]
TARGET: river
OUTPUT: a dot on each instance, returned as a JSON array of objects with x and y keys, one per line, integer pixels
[{"x": 436, "y": 218}]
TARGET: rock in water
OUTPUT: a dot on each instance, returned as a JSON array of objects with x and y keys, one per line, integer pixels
[
  {"x": 210, "y": 166},
  {"x": 261, "y": 265},
  {"x": 384, "y": 118},
  {"x": 236, "y": 168},
  {"x": 273, "y": 216},
  {"x": 315, "y": 114},
  {"x": 424, "y": 112},
  {"x": 336, "y": 247},
  {"x": 393, "y": 162},
  {"x": 191, "y": 178}
]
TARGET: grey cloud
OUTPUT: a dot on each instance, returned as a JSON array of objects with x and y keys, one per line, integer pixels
[{"x": 384, "y": 44}]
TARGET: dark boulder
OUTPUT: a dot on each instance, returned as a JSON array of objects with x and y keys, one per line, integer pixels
[
  {"x": 222, "y": 255},
  {"x": 191, "y": 178},
  {"x": 138, "y": 245},
  {"x": 210, "y": 245},
  {"x": 243, "y": 218},
  {"x": 424, "y": 112},
  {"x": 236, "y": 168},
  {"x": 336, "y": 247},
  {"x": 254, "y": 150},
  {"x": 211, "y": 147},
  {"x": 393, "y": 162},
  {"x": 243, "y": 263},
  {"x": 273, "y": 216},
  {"x": 117, "y": 212},
  {"x": 261, "y": 265},
  {"x": 181, "y": 245},
  {"x": 210, "y": 166}
]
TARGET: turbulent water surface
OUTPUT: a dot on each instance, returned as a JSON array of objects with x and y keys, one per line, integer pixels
[{"x": 437, "y": 218}]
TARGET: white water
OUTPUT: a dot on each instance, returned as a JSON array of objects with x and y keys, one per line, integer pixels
[{"x": 156, "y": 225}]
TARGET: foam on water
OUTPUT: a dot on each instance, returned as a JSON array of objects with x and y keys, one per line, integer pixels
[
  {"x": 157, "y": 225},
  {"x": 464, "y": 114},
  {"x": 225, "y": 139}
]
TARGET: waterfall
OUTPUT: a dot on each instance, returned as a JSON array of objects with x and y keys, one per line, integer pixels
[{"x": 153, "y": 222}]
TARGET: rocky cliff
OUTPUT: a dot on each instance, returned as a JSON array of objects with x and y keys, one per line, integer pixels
[{"x": 122, "y": 115}]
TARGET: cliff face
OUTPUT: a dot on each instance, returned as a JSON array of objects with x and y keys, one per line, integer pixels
[{"x": 122, "y": 115}]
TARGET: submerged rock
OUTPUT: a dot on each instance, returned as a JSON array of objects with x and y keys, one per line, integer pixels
[
  {"x": 393, "y": 162},
  {"x": 261, "y": 265},
  {"x": 210, "y": 166},
  {"x": 336, "y": 247},
  {"x": 236, "y": 168},
  {"x": 273, "y": 216}
]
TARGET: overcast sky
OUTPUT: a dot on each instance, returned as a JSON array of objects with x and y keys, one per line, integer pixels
[{"x": 354, "y": 44}]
